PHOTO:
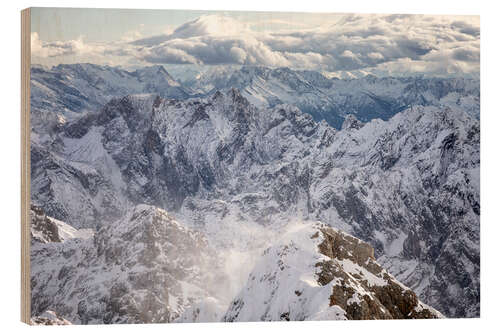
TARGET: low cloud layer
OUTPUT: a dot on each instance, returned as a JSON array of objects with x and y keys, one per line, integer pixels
[{"x": 384, "y": 44}]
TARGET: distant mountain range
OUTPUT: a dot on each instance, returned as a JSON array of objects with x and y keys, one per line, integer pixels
[
  {"x": 65, "y": 91},
  {"x": 367, "y": 98}
]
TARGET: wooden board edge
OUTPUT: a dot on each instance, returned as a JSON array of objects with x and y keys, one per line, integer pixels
[{"x": 25, "y": 165}]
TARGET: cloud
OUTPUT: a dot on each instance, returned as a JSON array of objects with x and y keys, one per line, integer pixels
[
  {"x": 396, "y": 44},
  {"x": 390, "y": 42},
  {"x": 211, "y": 25},
  {"x": 77, "y": 50},
  {"x": 168, "y": 55},
  {"x": 54, "y": 49},
  {"x": 207, "y": 25}
]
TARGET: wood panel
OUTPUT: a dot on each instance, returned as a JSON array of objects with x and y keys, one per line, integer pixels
[{"x": 25, "y": 164}]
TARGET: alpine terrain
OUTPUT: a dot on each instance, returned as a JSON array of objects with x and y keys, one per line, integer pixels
[{"x": 258, "y": 194}]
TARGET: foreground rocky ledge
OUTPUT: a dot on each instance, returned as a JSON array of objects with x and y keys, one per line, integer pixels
[
  {"x": 48, "y": 318},
  {"x": 318, "y": 273}
]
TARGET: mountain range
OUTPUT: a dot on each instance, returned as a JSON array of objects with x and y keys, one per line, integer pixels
[
  {"x": 367, "y": 97},
  {"x": 237, "y": 170},
  {"x": 65, "y": 91}
]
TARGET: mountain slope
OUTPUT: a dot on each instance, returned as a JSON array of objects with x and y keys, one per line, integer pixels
[
  {"x": 45, "y": 229},
  {"x": 409, "y": 186},
  {"x": 145, "y": 267},
  {"x": 317, "y": 273}
]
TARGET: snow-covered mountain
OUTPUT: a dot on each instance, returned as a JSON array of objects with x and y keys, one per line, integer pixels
[
  {"x": 239, "y": 174},
  {"x": 147, "y": 267},
  {"x": 65, "y": 92},
  {"x": 317, "y": 273},
  {"x": 367, "y": 97}
]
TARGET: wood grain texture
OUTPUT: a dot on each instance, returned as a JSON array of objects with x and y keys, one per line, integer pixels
[{"x": 25, "y": 165}]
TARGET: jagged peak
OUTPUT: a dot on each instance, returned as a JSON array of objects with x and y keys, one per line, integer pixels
[
  {"x": 155, "y": 69},
  {"x": 217, "y": 95},
  {"x": 143, "y": 216},
  {"x": 232, "y": 95},
  {"x": 158, "y": 68},
  {"x": 351, "y": 122},
  {"x": 236, "y": 96}
]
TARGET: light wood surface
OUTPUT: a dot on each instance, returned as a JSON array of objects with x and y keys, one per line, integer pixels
[{"x": 25, "y": 165}]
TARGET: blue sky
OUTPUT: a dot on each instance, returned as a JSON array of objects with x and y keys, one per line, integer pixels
[{"x": 331, "y": 43}]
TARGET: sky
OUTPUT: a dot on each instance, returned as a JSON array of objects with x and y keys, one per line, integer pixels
[{"x": 379, "y": 44}]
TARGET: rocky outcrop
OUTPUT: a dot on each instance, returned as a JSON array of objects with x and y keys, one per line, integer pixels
[
  {"x": 48, "y": 318},
  {"x": 318, "y": 273},
  {"x": 148, "y": 268},
  {"x": 387, "y": 300},
  {"x": 351, "y": 122},
  {"x": 43, "y": 229}
]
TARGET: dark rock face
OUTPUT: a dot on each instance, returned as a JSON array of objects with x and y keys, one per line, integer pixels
[
  {"x": 388, "y": 301},
  {"x": 408, "y": 186},
  {"x": 43, "y": 229},
  {"x": 411, "y": 246}
]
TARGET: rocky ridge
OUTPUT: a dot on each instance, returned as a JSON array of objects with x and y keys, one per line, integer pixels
[
  {"x": 48, "y": 318},
  {"x": 318, "y": 273}
]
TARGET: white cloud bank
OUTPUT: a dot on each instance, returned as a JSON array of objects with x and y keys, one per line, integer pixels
[{"x": 389, "y": 44}]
